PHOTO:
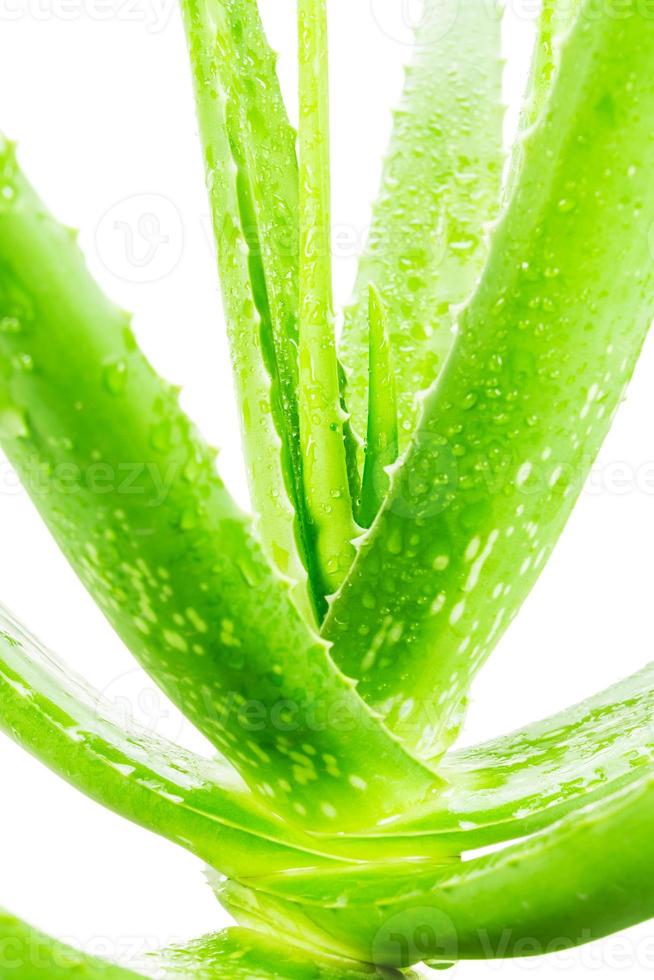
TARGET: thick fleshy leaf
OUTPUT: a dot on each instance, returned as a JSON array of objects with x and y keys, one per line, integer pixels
[
  {"x": 26, "y": 954},
  {"x": 440, "y": 186},
  {"x": 252, "y": 179},
  {"x": 199, "y": 803},
  {"x": 242, "y": 954},
  {"x": 556, "y": 19},
  {"x": 536, "y": 775},
  {"x": 508, "y": 435},
  {"x": 522, "y": 782},
  {"x": 590, "y": 874},
  {"x": 382, "y": 441},
  {"x": 235, "y": 954},
  {"x": 322, "y": 438},
  {"x": 131, "y": 494}
]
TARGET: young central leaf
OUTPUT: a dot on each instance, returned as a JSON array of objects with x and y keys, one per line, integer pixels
[
  {"x": 326, "y": 483},
  {"x": 382, "y": 437}
]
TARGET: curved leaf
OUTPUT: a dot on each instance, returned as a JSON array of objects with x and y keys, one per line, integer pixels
[
  {"x": 235, "y": 954},
  {"x": 440, "y": 186},
  {"x": 26, "y": 954},
  {"x": 556, "y": 19},
  {"x": 504, "y": 904},
  {"x": 201, "y": 804},
  {"x": 522, "y": 782},
  {"x": 252, "y": 179},
  {"x": 242, "y": 954},
  {"x": 131, "y": 494},
  {"x": 508, "y": 435}
]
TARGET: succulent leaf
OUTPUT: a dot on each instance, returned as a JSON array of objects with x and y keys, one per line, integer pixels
[
  {"x": 235, "y": 954},
  {"x": 28, "y": 954},
  {"x": 325, "y": 465},
  {"x": 131, "y": 494},
  {"x": 251, "y": 168},
  {"x": 201, "y": 804},
  {"x": 382, "y": 442},
  {"x": 517, "y": 784},
  {"x": 440, "y": 186},
  {"x": 242, "y": 954},
  {"x": 508, "y": 434},
  {"x": 467, "y": 911}
]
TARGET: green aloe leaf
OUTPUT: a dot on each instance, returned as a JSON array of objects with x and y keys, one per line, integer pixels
[
  {"x": 539, "y": 773},
  {"x": 242, "y": 954},
  {"x": 440, "y": 186},
  {"x": 26, "y": 954},
  {"x": 520, "y": 783},
  {"x": 235, "y": 954},
  {"x": 326, "y": 479},
  {"x": 507, "y": 903},
  {"x": 337, "y": 812},
  {"x": 131, "y": 494},
  {"x": 543, "y": 354},
  {"x": 199, "y": 803},
  {"x": 576, "y": 765},
  {"x": 382, "y": 440},
  {"x": 556, "y": 19},
  {"x": 252, "y": 179}
]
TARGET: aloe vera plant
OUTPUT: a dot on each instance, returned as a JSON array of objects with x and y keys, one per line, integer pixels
[{"x": 407, "y": 489}]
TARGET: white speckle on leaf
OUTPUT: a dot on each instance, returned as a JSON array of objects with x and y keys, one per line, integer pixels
[
  {"x": 523, "y": 474},
  {"x": 457, "y": 612}
]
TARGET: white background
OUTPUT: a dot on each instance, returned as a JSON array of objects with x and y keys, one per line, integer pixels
[{"x": 97, "y": 92}]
